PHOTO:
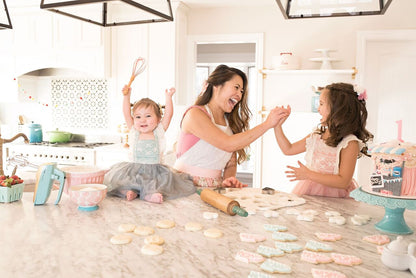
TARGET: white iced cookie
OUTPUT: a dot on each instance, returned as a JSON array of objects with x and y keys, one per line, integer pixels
[
  {"x": 120, "y": 239},
  {"x": 331, "y": 213},
  {"x": 144, "y": 231},
  {"x": 154, "y": 239},
  {"x": 193, "y": 226},
  {"x": 213, "y": 233},
  {"x": 151, "y": 249},
  {"x": 292, "y": 211},
  {"x": 210, "y": 215},
  {"x": 126, "y": 228},
  {"x": 165, "y": 224},
  {"x": 305, "y": 217},
  {"x": 270, "y": 213},
  {"x": 310, "y": 212},
  {"x": 360, "y": 219},
  {"x": 339, "y": 220}
]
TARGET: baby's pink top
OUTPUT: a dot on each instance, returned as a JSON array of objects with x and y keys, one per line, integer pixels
[{"x": 324, "y": 159}]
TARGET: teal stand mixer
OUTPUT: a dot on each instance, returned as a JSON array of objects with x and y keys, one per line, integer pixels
[{"x": 45, "y": 177}]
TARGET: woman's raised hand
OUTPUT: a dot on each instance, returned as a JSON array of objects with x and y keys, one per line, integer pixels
[{"x": 277, "y": 116}]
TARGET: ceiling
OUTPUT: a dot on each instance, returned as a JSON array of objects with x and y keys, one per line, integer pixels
[{"x": 227, "y": 3}]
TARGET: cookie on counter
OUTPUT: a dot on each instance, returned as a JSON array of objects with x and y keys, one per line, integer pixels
[
  {"x": 328, "y": 236},
  {"x": 256, "y": 274},
  {"x": 315, "y": 257},
  {"x": 316, "y": 246},
  {"x": 248, "y": 257},
  {"x": 360, "y": 219},
  {"x": 269, "y": 251},
  {"x": 274, "y": 228},
  {"x": 288, "y": 247},
  {"x": 280, "y": 236},
  {"x": 344, "y": 259},
  {"x": 325, "y": 273},
  {"x": 246, "y": 237},
  {"x": 273, "y": 266},
  {"x": 377, "y": 239}
]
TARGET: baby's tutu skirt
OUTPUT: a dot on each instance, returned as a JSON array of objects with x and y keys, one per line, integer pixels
[
  {"x": 307, "y": 187},
  {"x": 145, "y": 179}
]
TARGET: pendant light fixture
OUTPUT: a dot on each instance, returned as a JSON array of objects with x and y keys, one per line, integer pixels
[
  {"x": 112, "y": 12},
  {"x": 292, "y": 9},
  {"x": 4, "y": 16}
]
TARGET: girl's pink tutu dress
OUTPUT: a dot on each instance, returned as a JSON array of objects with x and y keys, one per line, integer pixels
[{"x": 324, "y": 159}]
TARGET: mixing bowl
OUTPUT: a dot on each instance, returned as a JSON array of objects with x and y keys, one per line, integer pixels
[{"x": 87, "y": 196}]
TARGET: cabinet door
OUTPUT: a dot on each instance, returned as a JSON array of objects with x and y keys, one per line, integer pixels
[{"x": 292, "y": 88}]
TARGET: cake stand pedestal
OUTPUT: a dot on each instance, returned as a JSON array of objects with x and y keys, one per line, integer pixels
[{"x": 393, "y": 221}]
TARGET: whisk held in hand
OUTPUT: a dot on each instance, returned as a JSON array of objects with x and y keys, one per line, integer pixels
[{"x": 138, "y": 67}]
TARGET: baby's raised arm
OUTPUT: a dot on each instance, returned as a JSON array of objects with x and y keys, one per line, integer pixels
[
  {"x": 167, "y": 115},
  {"x": 126, "y": 106}
]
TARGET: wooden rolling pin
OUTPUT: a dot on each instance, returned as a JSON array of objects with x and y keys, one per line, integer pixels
[{"x": 221, "y": 202}]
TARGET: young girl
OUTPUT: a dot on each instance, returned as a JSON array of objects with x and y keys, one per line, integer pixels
[
  {"x": 332, "y": 150},
  {"x": 145, "y": 177},
  {"x": 214, "y": 132}
]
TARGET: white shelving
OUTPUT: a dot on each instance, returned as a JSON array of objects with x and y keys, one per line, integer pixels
[{"x": 352, "y": 71}]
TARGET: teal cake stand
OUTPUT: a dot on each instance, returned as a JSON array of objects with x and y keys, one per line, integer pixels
[{"x": 393, "y": 221}]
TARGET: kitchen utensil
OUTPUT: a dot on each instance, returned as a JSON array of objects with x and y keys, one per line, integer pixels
[
  {"x": 57, "y": 136},
  {"x": 45, "y": 177},
  {"x": 221, "y": 202},
  {"x": 87, "y": 196},
  {"x": 395, "y": 255},
  {"x": 139, "y": 66},
  {"x": 76, "y": 175},
  {"x": 35, "y": 133}
]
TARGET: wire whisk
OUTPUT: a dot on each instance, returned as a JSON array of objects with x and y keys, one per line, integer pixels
[{"x": 138, "y": 67}]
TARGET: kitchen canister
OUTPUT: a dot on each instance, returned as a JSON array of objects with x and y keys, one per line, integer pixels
[
  {"x": 285, "y": 61},
  {"x": 35, "y": 133}
]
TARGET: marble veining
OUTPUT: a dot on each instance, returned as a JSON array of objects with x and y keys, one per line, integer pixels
[{"x": 61, "y": 241}]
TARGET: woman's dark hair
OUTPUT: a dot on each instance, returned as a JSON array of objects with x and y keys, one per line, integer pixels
[
  {"x": 239, "y": 117},
  {"x": 347, "y": 115}
]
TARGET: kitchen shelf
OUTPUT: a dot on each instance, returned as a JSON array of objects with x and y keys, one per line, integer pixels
[{"x": 352, "y": 71}]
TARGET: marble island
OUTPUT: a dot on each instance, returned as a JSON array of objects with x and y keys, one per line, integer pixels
[{"x": 61, "y": 241}]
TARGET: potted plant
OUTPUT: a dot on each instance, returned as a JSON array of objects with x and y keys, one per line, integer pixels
[{"x": 11, "y": 188}]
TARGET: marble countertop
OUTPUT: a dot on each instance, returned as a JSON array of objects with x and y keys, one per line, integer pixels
[{"x": 61, "y": 241}]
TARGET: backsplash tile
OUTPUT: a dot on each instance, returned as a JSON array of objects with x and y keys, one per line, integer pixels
[{"x": 80, "y": 103}]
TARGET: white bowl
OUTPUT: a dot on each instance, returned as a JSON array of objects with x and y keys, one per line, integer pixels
[{"x": 87, "y": 196}]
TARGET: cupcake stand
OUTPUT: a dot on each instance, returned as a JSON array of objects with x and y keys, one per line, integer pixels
[{"x": 393, "y": 221}]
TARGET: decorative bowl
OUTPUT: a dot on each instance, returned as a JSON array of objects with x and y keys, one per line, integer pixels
[
  {"x": 75, "y": 175},
  {"x": 87, "y": 196}
]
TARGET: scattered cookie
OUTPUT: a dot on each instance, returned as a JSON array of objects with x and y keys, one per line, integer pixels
[
  {"x": 269, "y": 251},
  {"x": 328, "y": 236},
  {"x": 284, "y": 236},
  {"x": 305, "y": 217},
  {"x": 311, "y": 212},
  {"x": 256, "y": 274},
  {"x": 154, "y": 239},
  {"x": 380, "y": 249},
  {"x": 343, "y": 259},
  {"x": 315, "y": 257},
  {"x": 274, "y": 228},
  {"x": 126, "y": 228},
  {"x": 331, "y": 213},
  {"x": 151, "y": 249},
  {"x": 360, "y": 219},
  {"x": 213, "y": 233},
  {"x": 316, "y": 246},
  {"x": 292, "y": 211},
  {"x": 288, "y": 247},
  {"x": 377, "y": 239},
  {"x": 193, "y": 226},
  {"x": 273, "y": 266},
  {"x": 210, "y": 215},
  {"x": 325, "y": 273},
  {"x": 252, "y": 237},
  {"x": 120, "y": 239},
  {"x": 165, "y": 224},
  {"x": 144, "y": 231},
  {"x": 270, "y": 213},
  {"x": 248, "y": 257},
  {"x": 339, "y": 220}
]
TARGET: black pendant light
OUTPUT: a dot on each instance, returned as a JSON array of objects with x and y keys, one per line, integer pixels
[
  {"x": 4, "y": 16},
  {"x": 292, "y": 9},
  {"x": 112, "y": 12}
]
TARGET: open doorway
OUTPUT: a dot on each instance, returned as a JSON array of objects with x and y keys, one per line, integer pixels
[{"x": 245, "y": 53}]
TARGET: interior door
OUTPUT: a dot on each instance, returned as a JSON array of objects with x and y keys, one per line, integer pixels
[{"x": 386, "y": 62}]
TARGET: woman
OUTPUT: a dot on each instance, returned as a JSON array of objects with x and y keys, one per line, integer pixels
[{"x": 214, "y": 131}]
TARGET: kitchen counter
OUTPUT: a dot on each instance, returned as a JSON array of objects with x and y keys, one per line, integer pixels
[{"x": 61, "y": 241}]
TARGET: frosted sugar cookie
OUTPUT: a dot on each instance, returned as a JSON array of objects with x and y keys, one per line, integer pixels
[
  {"x": 252, "y": 237},
  {"x": 324, "y": 273},
  {"x": 213, "y": 233},
  {"x": 270, "y": 213},
  {"x": 144, "y": 231},
  {"x": 151, "y": 249},
  {"x": 256, "y": 274},
  {"x": 360, "y": 219},
  {"x": 126, "y": 228},
  {"x": 284, "y": 236},
  {"x": 274, "y": 228},
  {"x": 311, "y": 212},
  {"x": 248, "y": 257},
  {"x": 316, "y": 246},
  {"x": 305, "y": 217},
  {"x": 269, "y": 251},
  {"x": 380, "y": 249},
  {"x": 339, "y": 220},
  {"x": 328, "y": 236},
  {"x": 210, "y": 215},
  {"x": 154, "y": 239},
  {"x": 343, "y": 259},
  {"x": 120, "y": 239},
  {"x": 272, "y": 266},
  {"x": 193, "y": 226},
  {"x": 165, "y": 224},
  {"x": 331, "y": 213},
  {"x": 377, "y": 239},
  {"x": 288, "y": 247},
  {"x": 315, "y": 257},
  {"x": 292, "y": 211}
]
